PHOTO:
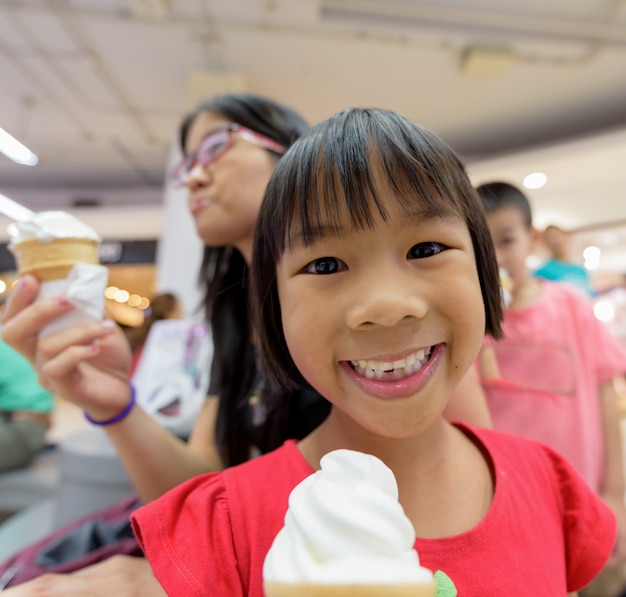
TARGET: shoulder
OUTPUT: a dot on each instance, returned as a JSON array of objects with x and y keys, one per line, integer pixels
[
  {"x": 538, "y": 491},
  {"x": 213, "y": 493},
  {"x": 531, "y": 466},
  {"x": 506, "y": 448},
  {"x": 567, "y": 299},
  {"x": 215, "y": 529},
  {"x": 282, "y": 466},
  {"x": 530, "y": 461}
]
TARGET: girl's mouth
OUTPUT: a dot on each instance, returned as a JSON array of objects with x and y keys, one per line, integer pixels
[
  {"x": 198, "y": 204},
  {"x": 392, "y": 370}
]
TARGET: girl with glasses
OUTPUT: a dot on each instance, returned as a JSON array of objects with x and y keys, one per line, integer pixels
[{"x": 231, "y": 146}]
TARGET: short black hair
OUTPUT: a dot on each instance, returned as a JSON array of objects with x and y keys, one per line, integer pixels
[
  {"x": 335, "y": 159},
  {"x": 497, "y": 195}
]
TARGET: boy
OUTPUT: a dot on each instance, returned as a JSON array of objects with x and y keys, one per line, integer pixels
[{"x": 551, "y": 376}]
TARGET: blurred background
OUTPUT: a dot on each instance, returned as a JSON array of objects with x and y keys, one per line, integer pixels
[{"x": 96, "y": 90}]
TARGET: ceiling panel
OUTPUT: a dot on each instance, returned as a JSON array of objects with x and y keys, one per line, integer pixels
[{"x": 98, "y": 87}]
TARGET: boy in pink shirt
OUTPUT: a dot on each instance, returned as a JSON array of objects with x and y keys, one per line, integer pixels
[{"x": 551, "y": 377}]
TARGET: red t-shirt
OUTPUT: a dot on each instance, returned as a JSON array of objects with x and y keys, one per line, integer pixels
[{"x": 546, "y": 533}]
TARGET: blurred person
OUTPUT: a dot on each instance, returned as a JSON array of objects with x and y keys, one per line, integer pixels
[
  {"x": 231, "y": 145},
  {"x": 551, "y": 377},
  {"x": 25, "y": 411},
  {"x": 559, "y": 267}
]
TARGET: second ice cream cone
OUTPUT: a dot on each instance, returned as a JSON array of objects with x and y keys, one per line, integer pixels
[{"x": 53, "y": 260}]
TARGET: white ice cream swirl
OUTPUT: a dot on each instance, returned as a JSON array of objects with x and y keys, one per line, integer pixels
[
  {"x": 345, "y": 525},
  {"x": 46, "y": 226}
]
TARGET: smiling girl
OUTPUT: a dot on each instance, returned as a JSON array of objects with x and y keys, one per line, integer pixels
[{"x": 374, "y": 279}]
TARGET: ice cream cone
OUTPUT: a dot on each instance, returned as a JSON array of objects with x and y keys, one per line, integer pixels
[
  {"x": 278, "y": 589},
  {"x": 53, "y": 260}
]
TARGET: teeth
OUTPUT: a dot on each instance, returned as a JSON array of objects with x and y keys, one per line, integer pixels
[{"x": 398, "y": 369}]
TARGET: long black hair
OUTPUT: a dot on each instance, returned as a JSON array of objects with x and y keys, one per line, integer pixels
[{"x": 224, "y": 274}]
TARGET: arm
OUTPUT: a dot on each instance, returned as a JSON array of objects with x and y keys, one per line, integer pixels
[
  {"x": 155, "y": 459},
  {"x": 88, "y": 364},
  {"x": 613, "y": 485},
  {"x": 468, "y": 402},
  {"x": 122, "y": 576}
]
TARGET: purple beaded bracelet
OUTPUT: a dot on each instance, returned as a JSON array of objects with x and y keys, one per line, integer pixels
[{"x": 121, "y": 415}]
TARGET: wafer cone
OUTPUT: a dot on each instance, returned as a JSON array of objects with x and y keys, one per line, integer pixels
[
  {"x": 54, "y": 260},
  {"x": 278, "y": 589}
]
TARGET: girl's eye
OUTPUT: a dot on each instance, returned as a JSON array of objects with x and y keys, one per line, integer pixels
[
  {"x": 422, "y": 250},
  {"x": 325, "y": 265}
]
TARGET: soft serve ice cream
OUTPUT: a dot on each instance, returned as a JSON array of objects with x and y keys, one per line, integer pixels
[
  {"x": 345, "y": 534},
  {"x": 62, "y": 252}
]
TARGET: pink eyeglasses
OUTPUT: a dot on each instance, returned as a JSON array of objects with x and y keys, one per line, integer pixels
[{"x": 217, "y": 144}]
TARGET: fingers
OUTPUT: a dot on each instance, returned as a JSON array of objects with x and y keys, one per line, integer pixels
[
  {"x": 23, "y": 321},
  {"x": 59, "y": 355},
  {"x": 22, "y": 295},
  {"x": 82, "y": 334}
]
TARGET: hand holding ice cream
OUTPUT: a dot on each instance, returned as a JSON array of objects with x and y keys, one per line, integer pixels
[
  {"x": 345, "y": 534},
  {"x": 62, "y": 252}
]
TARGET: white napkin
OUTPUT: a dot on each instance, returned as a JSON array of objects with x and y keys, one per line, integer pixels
[{"x": 84, "y": 287}]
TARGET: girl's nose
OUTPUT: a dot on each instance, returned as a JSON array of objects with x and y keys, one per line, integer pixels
[
  {"x": 197, "y": 176},
  {"x": 386, "y": 303}
]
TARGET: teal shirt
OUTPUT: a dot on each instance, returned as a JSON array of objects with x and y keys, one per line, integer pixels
[
  {"x": 561, "y": 271},
  {"x": 19, "y": 389}
]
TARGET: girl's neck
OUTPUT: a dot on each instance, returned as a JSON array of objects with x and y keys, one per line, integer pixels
[
  {"x": 526, "y": 293},
  {"x": 444, "y": 481},
  {"x": 338, "y": 432}
]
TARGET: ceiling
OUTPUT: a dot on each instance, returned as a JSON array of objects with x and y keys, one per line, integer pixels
[{"x": 96, "y": 88}]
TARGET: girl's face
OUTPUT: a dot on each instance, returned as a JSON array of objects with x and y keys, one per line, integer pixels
[
  {"x": 512, "y": 240},
  {"x": 384, "y": 322},
  {"x": 224, "y": 198}
]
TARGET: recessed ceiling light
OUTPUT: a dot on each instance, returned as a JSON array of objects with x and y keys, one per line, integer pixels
[
  {"x": 592, "y": 253},
  {"x": 535, "y": 180}
]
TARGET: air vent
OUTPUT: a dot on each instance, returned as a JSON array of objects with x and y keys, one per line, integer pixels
[{"x": 86, "y": 202}]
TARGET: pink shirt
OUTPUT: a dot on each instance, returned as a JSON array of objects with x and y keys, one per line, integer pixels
[{"x": 552, "y": 360}]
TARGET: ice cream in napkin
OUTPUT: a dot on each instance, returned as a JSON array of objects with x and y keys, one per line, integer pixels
[
  {"x": 62, "y": 252},
  {"x": 346, "y": 534}
]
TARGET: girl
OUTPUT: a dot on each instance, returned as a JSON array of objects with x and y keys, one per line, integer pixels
[
  {"x": 374, "y": 279},
  {"x": 231, "y": 145}
]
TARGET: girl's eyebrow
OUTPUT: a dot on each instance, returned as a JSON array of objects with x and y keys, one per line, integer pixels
[
  {"x": 315, "y": 233},
  {"x": 319, "y": 232}
]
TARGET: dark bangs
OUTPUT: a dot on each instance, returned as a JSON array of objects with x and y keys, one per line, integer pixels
[{"x": 336, "y": 176}]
